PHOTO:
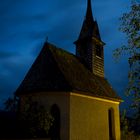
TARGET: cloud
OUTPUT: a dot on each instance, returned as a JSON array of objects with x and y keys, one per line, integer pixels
[
  {"x": 7, "y": 55},
  {"x": 25, "y": 24}
]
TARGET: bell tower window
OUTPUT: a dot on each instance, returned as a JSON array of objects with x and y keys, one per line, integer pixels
[{"x": 98, "y": 51}]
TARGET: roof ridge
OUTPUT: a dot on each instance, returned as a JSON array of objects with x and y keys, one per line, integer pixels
[{"x": 54, "y": 47}]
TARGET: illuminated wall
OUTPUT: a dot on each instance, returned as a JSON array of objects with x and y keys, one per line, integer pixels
[
  {"x": 82, "y": 117},
  {"x": 89, "y": 118}
]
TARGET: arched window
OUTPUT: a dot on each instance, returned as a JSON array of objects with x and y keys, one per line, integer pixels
[
  {"x": 55, "y": 129},
  {"x": 111, "y": 124}
]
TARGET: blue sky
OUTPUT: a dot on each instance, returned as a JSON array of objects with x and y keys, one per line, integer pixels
[{"x": 25, "y": 25}]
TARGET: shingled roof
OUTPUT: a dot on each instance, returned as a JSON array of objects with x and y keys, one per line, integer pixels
[{"x": 57, "y": 70}]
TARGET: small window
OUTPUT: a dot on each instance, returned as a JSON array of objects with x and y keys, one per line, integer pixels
[
  {"x": 111, "y": 124},
  {"x": 99, "y": 51}
]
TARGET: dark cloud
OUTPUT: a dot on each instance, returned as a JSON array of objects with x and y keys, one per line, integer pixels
[
  {"x": 6, "y": 54},
  {"x": 25, "y": 24}
]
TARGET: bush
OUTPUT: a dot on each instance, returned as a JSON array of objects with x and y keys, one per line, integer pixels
[{"x": 35, "y": 120}]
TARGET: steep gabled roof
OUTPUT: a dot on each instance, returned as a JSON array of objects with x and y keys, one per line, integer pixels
[{"x": 57, "y": 70}]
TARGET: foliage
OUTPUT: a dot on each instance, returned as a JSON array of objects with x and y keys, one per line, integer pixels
[
  {"x": 11, "y": 104},
  {"x": 130, "y": 25},
  {"x": 129, "y": 136},
  {"x": 136, "y": 122},
  {"x": 124, "y": 123},
  {"x": 35, "y": 119},
  {"x": 127, "y": 132}
]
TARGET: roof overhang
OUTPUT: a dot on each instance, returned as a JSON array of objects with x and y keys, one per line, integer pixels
[
  {"x": 98, "y": 41},
  {"x": 103, "y": 99}
]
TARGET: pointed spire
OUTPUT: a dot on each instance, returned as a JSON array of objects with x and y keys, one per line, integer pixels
[{"x": 89, "y": 15}]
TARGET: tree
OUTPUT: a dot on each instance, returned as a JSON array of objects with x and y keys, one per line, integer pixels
[
  {"x": 11, "y": 104},
  {"x": 130, "y": 25},
  {"x": 35, "y": 120}
]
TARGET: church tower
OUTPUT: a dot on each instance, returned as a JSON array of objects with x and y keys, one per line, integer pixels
[{"x": 89, "y": 46}]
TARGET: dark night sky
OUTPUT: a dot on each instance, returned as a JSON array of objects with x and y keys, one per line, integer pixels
[{"x": 25, "y": 24}]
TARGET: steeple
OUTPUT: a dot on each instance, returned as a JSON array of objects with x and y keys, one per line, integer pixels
[
  {"x": 89, "y": 46},
  {"x": 89, "y": 16}
]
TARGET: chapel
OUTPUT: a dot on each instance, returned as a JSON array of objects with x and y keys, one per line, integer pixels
[{"x": 75, "y": 87}]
